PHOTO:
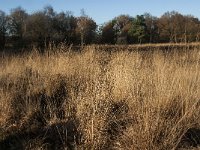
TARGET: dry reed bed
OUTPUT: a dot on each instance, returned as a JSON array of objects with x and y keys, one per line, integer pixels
[{"x": 100, "y": 100}]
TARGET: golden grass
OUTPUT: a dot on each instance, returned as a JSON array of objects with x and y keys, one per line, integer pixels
[{"x": 100, "y": 100}]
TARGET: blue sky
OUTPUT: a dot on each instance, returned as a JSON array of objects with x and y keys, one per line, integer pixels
[{"x": 104, "y": 10}]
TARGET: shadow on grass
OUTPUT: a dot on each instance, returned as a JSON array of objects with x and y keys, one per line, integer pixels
[
  {"x": 35, "y": 127},
  {"x": 56, "y": 136},
  {"x": 190, "y": 139}
]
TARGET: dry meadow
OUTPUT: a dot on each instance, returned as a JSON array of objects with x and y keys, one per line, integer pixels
[{"x": 100, "y": 99}]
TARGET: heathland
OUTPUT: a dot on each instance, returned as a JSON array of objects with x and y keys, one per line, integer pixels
[{"x": 101, "y": 97}]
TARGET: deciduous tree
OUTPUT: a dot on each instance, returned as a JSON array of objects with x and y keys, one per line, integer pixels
[
  {"x": 3, "y": 29},
  {"x": 85, "y": 29}
]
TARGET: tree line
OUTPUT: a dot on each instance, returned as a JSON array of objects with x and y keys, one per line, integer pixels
[{"x": 19, "y": 29}]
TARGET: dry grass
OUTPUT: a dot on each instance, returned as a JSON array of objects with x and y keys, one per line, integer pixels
[{"x": 101, "y": 100}]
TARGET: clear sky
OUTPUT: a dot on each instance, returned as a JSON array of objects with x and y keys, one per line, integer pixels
[{"x": 104, "y": 10}]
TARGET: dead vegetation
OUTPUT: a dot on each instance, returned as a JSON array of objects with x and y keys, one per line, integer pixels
[{"x": 94, "y": 99}]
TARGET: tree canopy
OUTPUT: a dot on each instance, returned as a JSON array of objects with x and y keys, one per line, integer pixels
[{"x": 20, "y": 29}]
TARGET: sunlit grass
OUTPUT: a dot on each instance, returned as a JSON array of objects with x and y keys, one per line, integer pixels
[{"x": 95, "y": 99}]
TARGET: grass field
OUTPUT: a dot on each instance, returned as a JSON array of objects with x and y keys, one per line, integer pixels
[{"x": 95, "y": 99}]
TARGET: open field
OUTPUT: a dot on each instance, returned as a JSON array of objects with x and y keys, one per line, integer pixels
[{"x": 96, "y": 99}]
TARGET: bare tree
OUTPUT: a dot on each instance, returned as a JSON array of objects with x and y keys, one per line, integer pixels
[
  {"x": 86, "y": 28},
  {"x": 16, "y": 22}
]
